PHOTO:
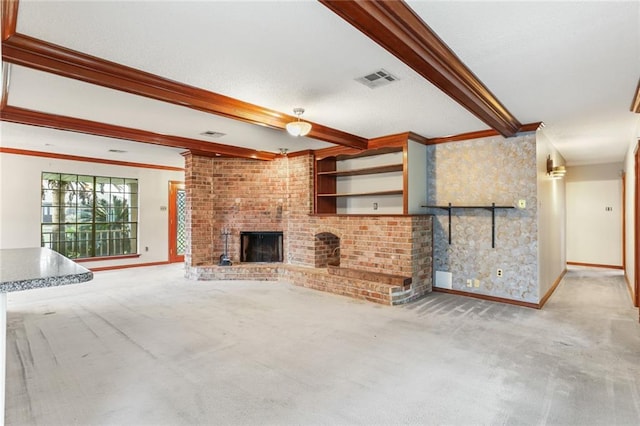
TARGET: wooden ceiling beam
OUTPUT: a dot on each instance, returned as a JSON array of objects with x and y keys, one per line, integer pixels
[
  {"x": 397, "y": 28},
  {"x": 30, "y": 52},
  {"x": 35, "y": 118}
]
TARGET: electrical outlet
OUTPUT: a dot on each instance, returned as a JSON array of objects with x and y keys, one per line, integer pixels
[
  {"x": 375, "y": 206},
  {"x": 499, "y": 273},
  {"x": 476, "y": 283},
  {"x": 469, "y": 283}
]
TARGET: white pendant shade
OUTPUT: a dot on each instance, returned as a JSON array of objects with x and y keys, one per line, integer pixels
[{"x": 298, "y": 128}]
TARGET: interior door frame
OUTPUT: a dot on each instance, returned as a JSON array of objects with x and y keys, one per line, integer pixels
[{"x": 174, "y": 186}]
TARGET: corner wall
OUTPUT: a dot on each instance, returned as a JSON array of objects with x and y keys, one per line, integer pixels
[
  {"x": 552, "y": 258},
  {"x": 479, "y": 172},
  {"x": 630, "y": 217}
]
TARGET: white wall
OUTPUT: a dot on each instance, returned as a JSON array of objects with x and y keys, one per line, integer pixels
[
  {"x": 630, "y": 213},
  {"x": 20, "y": 181},
  {"x": 417, "y": 179},
  {"x": 551, "y": 216},
  {"x": 594, "y": 214},
  {"x": 386, "y": 204}
]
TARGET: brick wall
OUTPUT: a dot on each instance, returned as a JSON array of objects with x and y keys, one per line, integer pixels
[{"x": 253, "y": 195}]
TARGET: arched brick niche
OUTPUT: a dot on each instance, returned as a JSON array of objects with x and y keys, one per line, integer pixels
[{"x": 326, "y": 249}]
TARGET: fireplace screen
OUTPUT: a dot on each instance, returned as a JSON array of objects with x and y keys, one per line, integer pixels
[{"x": 261, "y": 247}]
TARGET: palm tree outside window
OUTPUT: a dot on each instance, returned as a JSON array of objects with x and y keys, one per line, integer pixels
[{"x": 89, "y": 216}]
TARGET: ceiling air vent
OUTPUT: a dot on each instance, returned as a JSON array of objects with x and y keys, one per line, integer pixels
[
  {"x": 377, "y": 79},
  {"x": 212, "y": 134}
]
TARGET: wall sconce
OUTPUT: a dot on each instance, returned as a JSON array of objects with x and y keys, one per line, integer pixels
[{"x": 555, "y": 172}]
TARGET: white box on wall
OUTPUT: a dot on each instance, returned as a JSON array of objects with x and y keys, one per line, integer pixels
[{"x": 444, "y": 279}]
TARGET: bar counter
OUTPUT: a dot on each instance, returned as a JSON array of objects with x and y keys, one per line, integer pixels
[{"x": 27, "y": 269}]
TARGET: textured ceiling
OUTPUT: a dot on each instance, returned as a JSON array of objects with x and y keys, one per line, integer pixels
[{"x": 572, "y": 65}]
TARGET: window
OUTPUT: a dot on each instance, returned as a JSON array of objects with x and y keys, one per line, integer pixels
[{"x": 89, "y": 216}]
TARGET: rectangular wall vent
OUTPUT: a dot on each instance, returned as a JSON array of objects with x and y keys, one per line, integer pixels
[
  {"x": 212, "y": 134},
  {"x": 377, "y": 79}
]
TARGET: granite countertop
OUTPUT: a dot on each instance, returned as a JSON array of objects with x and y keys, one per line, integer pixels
[{"x": 29, "y": 268}]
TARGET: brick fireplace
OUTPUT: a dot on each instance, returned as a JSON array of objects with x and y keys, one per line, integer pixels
[{"x": 386, "y": 259}]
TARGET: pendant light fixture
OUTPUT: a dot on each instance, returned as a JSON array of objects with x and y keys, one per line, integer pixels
[{"x": 298, "y": 128}]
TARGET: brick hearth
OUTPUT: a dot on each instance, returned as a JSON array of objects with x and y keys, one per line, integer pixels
[{"x": 258, "y": 196}]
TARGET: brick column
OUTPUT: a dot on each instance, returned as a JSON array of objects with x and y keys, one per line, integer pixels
[{"x": 199, "y": 202}]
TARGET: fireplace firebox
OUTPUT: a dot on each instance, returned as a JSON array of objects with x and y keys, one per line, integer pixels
[{"x": 261, "y": 247}]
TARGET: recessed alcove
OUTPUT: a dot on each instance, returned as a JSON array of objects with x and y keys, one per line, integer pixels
[{"x": 327, "y": 249}]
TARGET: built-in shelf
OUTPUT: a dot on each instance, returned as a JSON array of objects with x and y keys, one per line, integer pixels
[
  {"x": 343, "y": 181},
  {"x": 364, "y": 171},
  {"x": 360, "y": 194},
  {"x": 491, "y": 208}
]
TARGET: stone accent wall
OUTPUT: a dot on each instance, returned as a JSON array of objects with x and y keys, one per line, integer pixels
[
  {"x": 480, "y": 172},
  {"x": 252, "y": 195}
]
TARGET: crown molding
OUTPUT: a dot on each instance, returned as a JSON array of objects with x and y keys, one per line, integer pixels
[
  {"x": 35, "y": 118},
  {"x": 30, "y": 153},
  {"x": 397, "y": 28},
  {"x": 529, "y": 127},
  {"x": 30, "y": 52},
  {"x": 9, "y": 18}
]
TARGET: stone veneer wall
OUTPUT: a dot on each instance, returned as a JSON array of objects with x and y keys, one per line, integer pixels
[
  {"x": 479, "y": 172},
  {"x": 252, "y": 195}
]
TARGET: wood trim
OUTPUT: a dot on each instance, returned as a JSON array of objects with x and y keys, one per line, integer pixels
[
  {"x": 636, "y": 227},
  {"x": 624, "y": 220},
  {"x": 530, "y": 127},
  {"x": 551, "y": 290},
  {"x": 635, "y": 103},
  {"x": 35, "y": 118},
  {"x": 6, "y": 75},
  {"x": 134, "y": 265},
  {"x": 334, "y": 151},
  {"x": 9, "y": 18},
  {"x": 298, "y": 153},
  {"x": 30, "y": 52},
  {"x": 43, "y": 154},
  {"x": 595, "y": 265},
  {"x": 397, "y": 140},
  {"x": 405, "y": 177},
  {"x": 418, "y": 138},
  {"x": 486, "y": 297},
  {"x": 99, "y": 259},
  {"x": 629, "y": 288},
  {"x": 397, "y": 28},
  {"x": 174, "y": 187},
  {"x": 463, "y": 137}
]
